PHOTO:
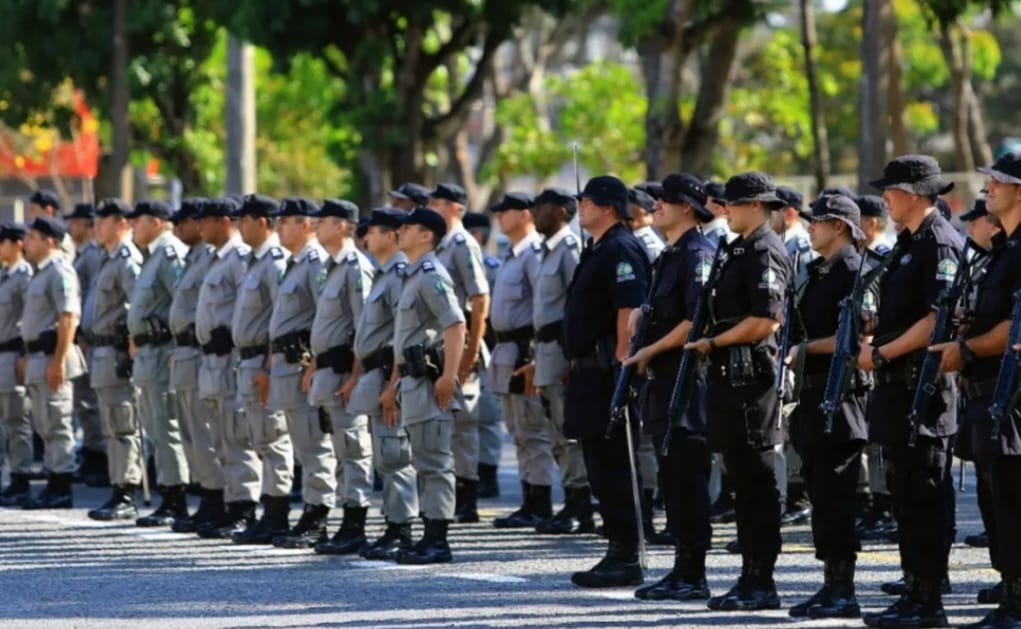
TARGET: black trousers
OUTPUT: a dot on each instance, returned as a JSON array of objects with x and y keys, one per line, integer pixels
[
  {"x": 831, "y": 479},
  {"x": 1005, "y": 487},
  {"x": 684, "y": 479},
  {"x": 921, "y": 482},
  {"x": 609, "y": 476},
  {"x": 984, "y": 494},
  {"x": 756, "y": 501}
]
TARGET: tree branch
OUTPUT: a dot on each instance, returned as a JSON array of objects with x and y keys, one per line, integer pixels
[{"x": 444, "y": 125}]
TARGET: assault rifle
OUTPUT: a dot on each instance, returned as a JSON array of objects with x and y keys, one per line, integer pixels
[
  {"x": 1007, "y": 393},
  {"x": 784, "y": 344}
]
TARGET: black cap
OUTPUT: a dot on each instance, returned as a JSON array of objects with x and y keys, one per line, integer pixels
[
  {"x": 751, "y": 187},
  {"x": 791, "y": 197},
  {"x": 362, "y": 228},
  {"x": 413, "y": 192},
  {"x": 687, "y": 188},
  {"x": 49, "y": 226},
  {"x": 44, "y": 198},
  {"x": 450, "y": 192},
  {"x": 561, "y": 197},
  {"x": 714, "y": 190},
  {"x": 82, "y": 210},
  {"x": 219, "y": 207},
  {"x": 340, "y": 208},
  {"x": 847, "y": 192},
  {"x": 514, "y": 201},
  {"x": 476, "y": 220},
  {"x": 642, "y": 199},
  {"x": 258, "y": 205},
  {"x": 190, "y": 208},
  {"x": 153, "y": 208},
  {"x": 12, "y": 231},
  {"x": 978, "y": 210},
  {"x": 1007, "y": 169},
  {"x": 871, "y": 205},
  {"x": 430, "y": 219},
  {"x": 841, "y": 208},
  {"x": 296, "y": 207},
  {"x": 112, "y": 207},
  {"x": 652, "y": 188},
  {"x": 917, "y": 174},
  {"x": 608, "y": 191},
  {"x": 386, "y": 217}
]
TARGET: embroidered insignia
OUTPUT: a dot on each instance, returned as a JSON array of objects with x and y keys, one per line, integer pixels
[
  {"x": 946, "y": 270},
  {"x": 625, "y": 272},
  {"x": 428, "y": 266},
  {"x": 277, "y": 253},
  {"x": 459, "y": 239}
]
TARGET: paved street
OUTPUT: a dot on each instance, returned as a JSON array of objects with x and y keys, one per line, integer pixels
[{"x": 59, "y": 569}]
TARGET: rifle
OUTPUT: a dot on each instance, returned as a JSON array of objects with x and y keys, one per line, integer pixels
[
  {"x": 942, "y": 331},
  {"x": 1007, "y": 393},
  {"x": 684, "y": 385},
  {"x": 784, "y": 345}
]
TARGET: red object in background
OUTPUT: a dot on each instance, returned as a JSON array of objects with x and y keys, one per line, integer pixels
[{"x": 76, "y": 158}]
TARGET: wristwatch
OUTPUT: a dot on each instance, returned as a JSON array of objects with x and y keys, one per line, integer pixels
[
  {"x": 878, "y": 359},
  {"x": 966, "y": 354}
]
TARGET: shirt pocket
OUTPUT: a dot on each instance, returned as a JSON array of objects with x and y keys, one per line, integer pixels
[
  {"x": 407, "y": 314},
  {"x": 550, "y": 284}
]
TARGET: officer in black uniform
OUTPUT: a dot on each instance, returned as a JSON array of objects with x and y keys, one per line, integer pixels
[
  {"x": 977, "y": 356},
  {"x": 743, "y": 405},
  {"x": 681, "y": 270},
  {"x": 831, "y": 462},
  {"x": 610, "y": 281},
  {"x": 923, "y": 264}
]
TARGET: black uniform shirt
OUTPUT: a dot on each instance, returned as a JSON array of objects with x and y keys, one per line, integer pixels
[
  {"x": 829, "y": 281},
  {"x": 612, "y": 274},
  {"x": 995, "y": 298}
]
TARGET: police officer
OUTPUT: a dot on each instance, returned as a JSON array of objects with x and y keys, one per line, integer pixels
[
  {"x": 373, "y": 346},
  {"x": 640, "y": 205},
  {"x": 488, "y": 408},
  {"x": 511, "y": 317},
  {"x": 429, "y": 339},
  {"x": 265, "y": 429},
  {"x": 92, "y": 469},
  {"x": 554, "y": 209},
  {"x": 15, "y": 275},
  {"x": 409, "y": 195},
  {"x": 111, "y": 360},
  {"x": 924, "y": 264},
  {"x": 47, "y": 203},
  {"x": 716, "y": 204},
  {"x": 290, "y": 329},
  {"x": 610, "y": 281},
  {"x": 148, "y": 323},
  {"x": 344, "y": 280},
  {"x": 198, "y": 426},
  {"x": 977, "y": 355},
  {"x": 831, "y": 459},
  {"x": 743, "y": 404},
  {"x": 461, "y": 256},
  {"x": 680, "y": 273},
  {"x": 875, "y": 220}
]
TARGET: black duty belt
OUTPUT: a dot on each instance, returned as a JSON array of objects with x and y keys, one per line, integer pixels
[
  {"x": 379, "y": 359},
  {"x": 300, "y": 338},
  {"x": 550, "y": 332},
  {"x": 13, "y": 345},
  {"x": 592, "y": 361},
  {"x": 339, "y": 358},
  {"x": 186, "y": 338},
  {"x": 45, "y": 343},
  {"x": 142, "y": 340},
  {"x": 252, "y": 351},
  {"x": 107, "y": 340},
  {"x": 220, "y": 342},
  {"x": 978, "y": 389},
  {"x": 517, "y": 335}
]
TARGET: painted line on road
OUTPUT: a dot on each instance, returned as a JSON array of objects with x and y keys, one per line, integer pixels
[{"x": 489, "y": 578}]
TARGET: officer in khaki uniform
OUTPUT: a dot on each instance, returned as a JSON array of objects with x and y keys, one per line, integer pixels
[
  {"x": 511, "y": 319},
  {"x": 554, "y": 209},
  {"x": 47, "y": 203},
  {"x": 52, "y": 305},
  {"x": 344, "y": 279},
  {"x": 461, "y": 256},
  {"x": 111, "y": 361},
  {"x": 231, "y": 507},
  {"x": 290, "y": 328},
  {"x": 374, "y": 355},
  {"x": 267, "y": 428},
  {"x": 92, "y": 469},
  {"x": 199, "y": 430},
  {"x": 428, "y": 343},
  {"x": 148, "y": 323},
  {"x": 15, "y": 275}
]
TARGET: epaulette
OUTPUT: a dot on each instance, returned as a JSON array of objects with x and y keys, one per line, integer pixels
[
  {"x": 537, "y": 246},
  {"x": 399, "y": 267},
  {"x": 428, "y": 267},
  {"x": 242, "y": 251},
  {"x": 351, "y": 258},
  {"x": 571, "y": 241},
  {"x": 124, "y": 252},
  {"x": 276, "y": 252},
  {"x": 493, "y": 263},
  {"x": 313, "y": 255},
  {"x": 170, "y": 252},
  {"x": 459, "y": 239}
]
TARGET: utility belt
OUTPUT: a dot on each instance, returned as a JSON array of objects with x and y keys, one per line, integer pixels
[
  {"x": 743, "y": 365},
  {"x": 220, "y": 342},
  {"x": 518, "y": 335},
  {"x": 17, "y": 345},
  {"x": 117, "y": 341},
  {"x": 252, "y": 351},
  {"x": 860, "y": 381},
  {"x": 157, "y": 333},
  {"x": 45, "y": 343},
  {"x": 905, "y": 374},
  {"x": 422, "y": 362},
  {"x": 974, "y": 390},
  {"x": 187, "y": 338},
  {"x": 522, "y": 338},
  {"x": 293, "y": 345},
  {"x": 602, "y": 356},
  {"x": 379, "y": 359},
  {"x": 550, "y": 332},
  {"x": 339, "y": 358}
]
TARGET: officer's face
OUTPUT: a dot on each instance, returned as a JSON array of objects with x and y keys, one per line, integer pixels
[
  {"x": 331, "y": 230},
  {"x": 899, "y": 202},
  {"x": 379, "y": 240},
  {"x": 210, "y": 229},
  {"x": 511, "y": 221},
  {"x": 718, "y": 209},
  {"x": 145, "y": 229},
  {"x": 35, "y": 246},
  {"x": 738, "y": 216},
  {"x": 591, "y": 215},
  {"x": 666, "y": 215},
  {"x": 293, "y": 230},
  {"x": 189, "y": 231},
  {"x": 253, "y": 229},
  {"x": 982, "y": 230},
  {"x": 108, "y": 229},
  {"x": 9, "y": 250},
  {"x": 546, "y": 220},
  {"x": 79, "y": 228},
  {"x": 822, "y": 234},
  {"x": 1001, "y": 197},
  {"x": 35, "y": 210},
  {"x": 413, "y": 237}
]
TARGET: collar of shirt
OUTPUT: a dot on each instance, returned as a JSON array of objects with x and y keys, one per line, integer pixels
[
  {"x": 159, "y": 242},
  {"x": 266, "y": 246},
  {"x": 344, "y": 252},
  {"x": 48, "y": 261},
  {"x": 310, "y": 246},
  {"x": 230, "y": 245},
  {"x": 524, "y": 243},
  {"x": 1001, "y": 239},
  {"x": 930, "y": 218},
  {"x": 429, "y": 256},
  {"x": 555, "y": 239},
  {"x": 397, "y": 258},
  {"x": 756, "y": 234},
  {"x": 685, "y": 239},
  {"x": 458, "y": 228},
  {"x": 822, "y": 266}
]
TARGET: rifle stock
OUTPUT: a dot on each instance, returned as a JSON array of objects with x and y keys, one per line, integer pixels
[{"x": 1007, "y": 393}]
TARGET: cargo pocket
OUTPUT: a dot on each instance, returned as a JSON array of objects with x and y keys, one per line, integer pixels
[
  {"x": 123, "y": 421},
  {"x": 395, "y": 452}
]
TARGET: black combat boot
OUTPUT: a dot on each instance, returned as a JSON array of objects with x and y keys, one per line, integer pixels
[
  {"x": 900, "y": 587},
  {"x": 686, "y": 582},
  {"x": 980, "y": 540},
  {"x": 652, "y": 536},
  {"x": 309, "y": 531},
  {"x": 432, "y": 548},
  {"x": 879, "y": 523},
  {"x": 56, "y": 494},
  {"x": 210, "y": 512},
  {"x": 396, "y": 538},
  {"x": 237, "y": 516},
  {"x": 120, "y": 506},
  {"x": 489, "y": 484},
  {"x": 17, "y": 493},
  {"x": 755, "y": 589},
  {"x": 620, "y": 567},
  {"x": 173, "y": 507},
  {"x": 920, "y": 606},
  {"x": 991, "y": 596},
  {"x": 836, "y": 598},
  {"x": 798, "y": 509},
  {"x": 576, "y": 516},
  {"x": 523, "y": 517},
  {"x": 1008, "y": 614},
  {"x": 466, "y": 508},
  {"x": 350, "y": 537},
  {"x": 272, "y": 524}
]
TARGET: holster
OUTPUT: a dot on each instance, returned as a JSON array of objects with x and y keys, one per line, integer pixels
[
  {"x": 325, "y": 425},
  {"x": 422, "y": 362},
  {"x": 293, "y": 345},
  {"x": 45, "y": 343},
  {"x": 380, "y": 359},
  {"x": 123, "y": 364},
  {"x": 220, "y": 342},
  {"x": 525, "y": 356},
  {"x": 744, "y": 365}
]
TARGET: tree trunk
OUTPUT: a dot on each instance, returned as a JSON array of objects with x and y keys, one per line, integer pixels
[
  {"x": 704, "y": 128},
  {"x": 120, "y": 96},
  {"x": 241, "y": 173},
  {"x": 872, "y": 88},
  {"x": 895, "y": 101},
  {"x": 981, "y": 153},
  {"x": 959, "y": 82},
  {"x": 820, "y": 142}
]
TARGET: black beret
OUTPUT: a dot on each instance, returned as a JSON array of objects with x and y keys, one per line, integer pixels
[
  {"x": 340, "y": 208},
  {"x": 44, "y": 198},
  {"x": 49, "y": 226},
  {"x": 82, "y": 210},
  {"x": 190, "y": 208},
  {"x": 12, "y": 231},
  {"x": 216, "y": 207},
  {"x": 362, "y": 227},
  {"x": 450, "y": 192},
  {"x": 917, "y": 174},
  {"x": 258, "y": 205},
  {"x": 559, "y": 196},
  {"x": 412, "y": 192},
  {"x": 847, "y": 192},
  {"x": 871, "y": 205},
  {"x": 112, "y": 207},
  {"x": 476, "y": 220},
  {"x": 296, "y": 207},
  {"x": 154, "y": 208},
  {"x": 386, "y": 217},
  {"x": 791, "y": 197},
  {"x": 514, "y": 201},
  {"x": 608, "y": 191},
  {"x": 641, "y": 198},
  {"x": 430, "y": 219}
]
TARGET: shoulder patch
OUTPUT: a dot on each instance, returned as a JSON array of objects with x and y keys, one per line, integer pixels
[
  {"x": 428, "y": 267},
  {"x": 351, "y": 258},
  {"x": 702, "y": 271},
  {"x": 537, "y": 246},
  {"x": 571, "y": 241},
  {"x": 313, "y": 255},
  {"x": 946, "y": 270},
  {"x": 440, "y": 286},
  {"x": 124, "y": 252},
  {"x": 493, "y": 263},
  {"x": 276, "y": 252},
  {"x": 459, "y": 239},
  {"x": 625, "y": 272},
  {"x": 399, "y": 267},
  {"x": 170, "y": 252}
]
